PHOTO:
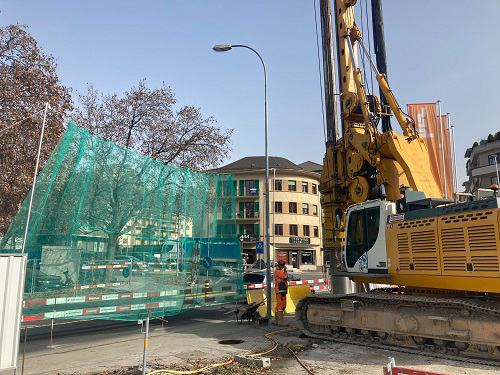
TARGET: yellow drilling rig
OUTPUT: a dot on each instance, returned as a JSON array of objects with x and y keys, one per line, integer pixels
[{"x": 386, "y": 223}]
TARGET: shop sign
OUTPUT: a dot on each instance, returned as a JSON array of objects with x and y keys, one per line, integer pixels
[
  {"x": 249, "y": 237},
  {"x": 301, "y": 240}
]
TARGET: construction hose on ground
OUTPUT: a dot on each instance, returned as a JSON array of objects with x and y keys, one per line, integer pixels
[{"x": 267, "y": 336}]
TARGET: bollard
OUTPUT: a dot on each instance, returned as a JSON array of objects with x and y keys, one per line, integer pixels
[{"x": 51, "y": 331}]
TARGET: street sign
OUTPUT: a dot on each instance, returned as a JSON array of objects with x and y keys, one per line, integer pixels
[
  {"x": 207, "y": 262},
  {"x": 259, "y": 247}
]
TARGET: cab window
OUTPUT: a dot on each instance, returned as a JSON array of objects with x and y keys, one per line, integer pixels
[
  {"x": 355, "y": 237},
  {"x": 362, "y": 233}
]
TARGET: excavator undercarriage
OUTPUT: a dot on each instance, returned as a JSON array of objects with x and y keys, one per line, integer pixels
[{"x": 464, "y": 329}]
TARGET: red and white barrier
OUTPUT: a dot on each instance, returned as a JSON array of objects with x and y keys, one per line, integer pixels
[
  {"x": 392, "y": 369},
  {"x": 300, "y": 282}
]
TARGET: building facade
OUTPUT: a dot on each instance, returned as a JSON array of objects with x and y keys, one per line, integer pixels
[
  {"x": 295, "y": 210},
  {"x": 482, "y": 166}
]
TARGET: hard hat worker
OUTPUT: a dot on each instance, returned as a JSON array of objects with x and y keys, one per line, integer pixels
[{"x": 281, "y": 289}]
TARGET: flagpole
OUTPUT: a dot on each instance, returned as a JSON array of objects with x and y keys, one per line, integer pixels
[
  {"x": 496, "y": 166},
  {"x": 454, "y": 155},
  {"x": 442, "y": 149}
]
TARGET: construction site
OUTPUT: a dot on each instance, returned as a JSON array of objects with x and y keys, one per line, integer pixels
[{"x": 119, "y": 261}]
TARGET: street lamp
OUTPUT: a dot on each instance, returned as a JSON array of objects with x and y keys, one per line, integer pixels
[{"x": 224, "y": 48}]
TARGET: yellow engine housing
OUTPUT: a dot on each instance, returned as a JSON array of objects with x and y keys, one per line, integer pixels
[{"x": 458, "y": 251}]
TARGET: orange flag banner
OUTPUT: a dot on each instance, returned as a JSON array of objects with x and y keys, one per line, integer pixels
[{"x": 437, "y": 139}]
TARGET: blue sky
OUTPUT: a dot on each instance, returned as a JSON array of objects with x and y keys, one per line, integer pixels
[{"x": 443, "y": 50}]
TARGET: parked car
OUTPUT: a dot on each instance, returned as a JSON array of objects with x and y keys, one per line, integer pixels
[
  {"x": 259, "y": 277},
  {"x": 136, "y": 262},
  {"x": 219, "y": 271},
  {"x": 38, "y": 281}
]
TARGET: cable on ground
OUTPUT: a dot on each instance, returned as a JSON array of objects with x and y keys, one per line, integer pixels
[{"x": 267, "y": 336}]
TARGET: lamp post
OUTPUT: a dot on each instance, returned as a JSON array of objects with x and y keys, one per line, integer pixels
[{"x": 224, "y": 48}]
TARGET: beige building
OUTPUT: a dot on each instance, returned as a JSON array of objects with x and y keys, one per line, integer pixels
[
  {"x": 481, "y": 166},
  {"x": 295, "y": 211}
]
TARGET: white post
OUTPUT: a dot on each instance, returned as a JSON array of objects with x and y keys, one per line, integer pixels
[
  {"x": 47, "y": 106},
  {"x": 146, "y": 342},
  {"x": 442, "y": 148}
]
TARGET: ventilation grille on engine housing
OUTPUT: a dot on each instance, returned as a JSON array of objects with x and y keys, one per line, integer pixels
[{"x": 469, "y": 243}]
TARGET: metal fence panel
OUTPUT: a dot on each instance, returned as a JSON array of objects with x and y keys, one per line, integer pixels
[{"x": 12, "y": 275}]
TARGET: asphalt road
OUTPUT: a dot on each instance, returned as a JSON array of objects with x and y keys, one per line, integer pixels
[{"x": 196, "y": 335}]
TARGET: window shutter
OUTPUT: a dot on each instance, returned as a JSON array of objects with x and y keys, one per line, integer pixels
[
  {"x": 257, "y": 228},
  {"x": 256, "y": 207},
  {"x": 235, "y": 188},
  {"x": 256, "y": 185},
  {"x": 242, "y": 229},
  {"x": 242, "y": 188}
]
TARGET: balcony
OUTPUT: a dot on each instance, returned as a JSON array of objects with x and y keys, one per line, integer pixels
[
  {"x": 481, "y": 171},
  {"x": 252, "y": 193},
  {"x": 242, "y": 215}
]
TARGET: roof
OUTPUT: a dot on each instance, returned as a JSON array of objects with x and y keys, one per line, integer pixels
[
  {"x": 311, "y": 166},
  {"x": 259, "y": 162}
]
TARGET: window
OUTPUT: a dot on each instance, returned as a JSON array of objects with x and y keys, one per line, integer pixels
[
  {"x": 314, "y": 189},
  {"x": 316, "y": 232},
  {"x": 372, "y": 225},
  {"x": 293, "y": 230},
  {"x": 362, "y": 233},
  {"x": 278, "y": 206},
  {"x": 251, "y": 187},
  {"x": 292, "y": 207},
  {"x": 305, "y": 208},
  {"x": 306, "y": 231},
  {"x": 249, "y": 229},
  {"x": 278, "y": 229},
  {"x": 278, "y": 185},
  {"x": 305, "y": 187},
  {"x": 493, "y": 158},
  {"x": 307, "y": 257},
  {"x": 251, "y": 210},
  {"x": 292, "y": 185},
  {"x": 315, "y": 209},
  {"x": 355, "y": 237},
  {"x": 494, "y": 180}
]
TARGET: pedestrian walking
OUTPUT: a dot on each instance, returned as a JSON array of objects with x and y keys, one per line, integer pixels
[{"x": 281, "y": 289}]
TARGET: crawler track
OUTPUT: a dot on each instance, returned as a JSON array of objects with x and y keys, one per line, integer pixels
[{"x": 463, "y": 330}]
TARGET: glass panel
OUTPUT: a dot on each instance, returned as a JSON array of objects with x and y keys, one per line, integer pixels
[
  {"x": 307, "y": 257},
  {"x": 372, "y": 225},
  {"x": 356, "y": 245}
]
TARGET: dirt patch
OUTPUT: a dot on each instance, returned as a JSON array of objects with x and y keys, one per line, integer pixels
[{"x": 190, "y": 365}]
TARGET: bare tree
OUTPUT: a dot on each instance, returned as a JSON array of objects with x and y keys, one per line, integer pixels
[
  {"x": 145, "y": 120},
  {"x": 28, "y": 80}
]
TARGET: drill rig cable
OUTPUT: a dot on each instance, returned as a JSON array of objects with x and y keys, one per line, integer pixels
[
  {"x": 369, "y": 40},
  {"x": 319, "y": 70}
]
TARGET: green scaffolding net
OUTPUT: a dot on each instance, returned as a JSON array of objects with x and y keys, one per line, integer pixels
[{"x": 114, "y": 234}]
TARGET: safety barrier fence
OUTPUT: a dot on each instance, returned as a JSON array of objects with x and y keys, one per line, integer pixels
[
  {"x": 299, "y": 282},
  {"x": 70, "y": 307}
]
